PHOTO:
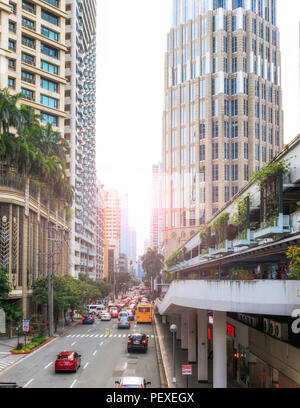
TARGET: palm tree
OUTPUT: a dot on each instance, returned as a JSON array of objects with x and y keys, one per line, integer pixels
[
  {"x": 10, "y": 115},
  {"x": 35, "y": 151}
]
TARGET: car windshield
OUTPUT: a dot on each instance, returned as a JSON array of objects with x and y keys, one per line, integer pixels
[
  {"x": 132, "y": 386},
  {"x": 65, "y": 357},
  {"x": 138, "y": 337},
  {"x": 123, "y": 319}
]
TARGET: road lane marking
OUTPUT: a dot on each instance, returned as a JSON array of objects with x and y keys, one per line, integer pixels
[
  {"x": 91, "y": 335},
  {"x": 96, "y": 335},
  {"x": 111, "y": 335},
  {"x": 69, "y": 335},
  {"x": 124, "y": 335},
  {"x": 29, "y": 382},
  {"x": 78, "y": 335},
  {"x": 115, "y": 335},
  {"x": 95, "y": 352},
  {"x": 73, "y": 383},
  {"x": 48, "y": 365},
  {"x": 74, "y": 342},
  {"x": 86, "y": 365},
  {"x": 101, "y": 335},
  {"x": 101, "y": 343},
  {"x": 120, "y": 335}
]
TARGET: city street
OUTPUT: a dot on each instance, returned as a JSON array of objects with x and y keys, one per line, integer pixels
[{"x": 104, "y": 359}]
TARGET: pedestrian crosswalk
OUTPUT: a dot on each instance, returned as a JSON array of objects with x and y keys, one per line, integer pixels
[
  {"x": 5, "y": 363},
  {"x": 112, "y": 335}
]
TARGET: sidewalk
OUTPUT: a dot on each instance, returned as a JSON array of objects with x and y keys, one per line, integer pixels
[
  {"x": 165, "y": 339},
  {"x": 7, "y": 344}
]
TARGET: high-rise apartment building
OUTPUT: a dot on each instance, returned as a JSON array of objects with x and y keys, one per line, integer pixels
[
  {"x": 34, "y": 233},
  {"x": 156, "y": 208},
  {"x": 112, "y": 231},
  {"x": 100, "y": 232},
  {"x": 35, "y": 64},
  {"x": 80, "y": 131},
  {"x": 223, "y": 107}
]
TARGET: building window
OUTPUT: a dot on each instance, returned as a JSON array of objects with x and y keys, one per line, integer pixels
[
  {"x": 51, "y": 68},
  {"x": 48, "y": 101},
  {"x": 49, "y": 33},
  {"x": 51, "y": 18},
  {"x": 50, "y": 51}
]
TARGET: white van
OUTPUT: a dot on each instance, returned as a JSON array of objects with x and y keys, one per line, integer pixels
[{"x": 95, "y": 309}]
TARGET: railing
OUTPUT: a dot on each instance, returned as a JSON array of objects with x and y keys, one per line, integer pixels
[
  {"x": 18, "y": 183},
  {"x": 26, "y": 8}
]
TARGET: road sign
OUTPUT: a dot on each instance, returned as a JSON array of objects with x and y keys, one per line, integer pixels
[
  {"x": 186, "y": 370},
  {"x": 26, "y": 324},
  {"x": 2, "y": 322}
]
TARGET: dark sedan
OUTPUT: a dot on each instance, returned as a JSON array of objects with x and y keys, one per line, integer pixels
[
  {"x": 88, "y": 319},
  {"x": 137, "y": 341}
]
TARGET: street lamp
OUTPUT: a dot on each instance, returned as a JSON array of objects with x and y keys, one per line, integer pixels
[{"x": 173, "y": 329}]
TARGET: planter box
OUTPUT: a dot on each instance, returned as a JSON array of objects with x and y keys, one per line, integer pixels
[
  {"x": 272, "y": 231},
  {"x": 31, "y": 351}
]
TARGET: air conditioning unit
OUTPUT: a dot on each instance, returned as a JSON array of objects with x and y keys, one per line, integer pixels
[
  {"x": 266, "y": 325},
  {"x": 281, "y": 331},
  {"x": 272, "y": 328}
]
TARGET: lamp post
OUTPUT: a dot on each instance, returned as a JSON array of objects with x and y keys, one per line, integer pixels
[{"x": 173, "y": 329}]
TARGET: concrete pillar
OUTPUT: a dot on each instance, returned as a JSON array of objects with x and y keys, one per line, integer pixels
[
  {"x": 202, "y": 346},
  {"x": 184, "y": 330},
  {"x": 192, "y": 339},
  {"x": 219, "y": 351}
]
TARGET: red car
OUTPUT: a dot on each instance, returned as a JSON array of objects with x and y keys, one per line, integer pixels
[
  {"x": 68, "y": 361},
  {"x": 114, "y": 312}
]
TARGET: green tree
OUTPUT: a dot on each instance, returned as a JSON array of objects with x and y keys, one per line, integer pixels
[
  {"x": 152, "y": 263},
  {"x": 4, "y": 285}
]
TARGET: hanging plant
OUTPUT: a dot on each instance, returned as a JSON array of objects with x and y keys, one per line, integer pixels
[
  {"x": 218, "y": 227},
  {"x": 270, "y": 171},
  {"x": 293, "y": 254}
]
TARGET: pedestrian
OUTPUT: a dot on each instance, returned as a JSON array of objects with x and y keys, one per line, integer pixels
[{"x": 71, "y": 315}]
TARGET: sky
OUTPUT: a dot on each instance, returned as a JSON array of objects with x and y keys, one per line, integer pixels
[{"x": 130, "y": 94}]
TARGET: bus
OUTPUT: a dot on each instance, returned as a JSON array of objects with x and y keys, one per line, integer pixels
[{"x": 144, "y": 313}]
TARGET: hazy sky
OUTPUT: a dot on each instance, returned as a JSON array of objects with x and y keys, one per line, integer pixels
[{"x": 130, "y": 66}]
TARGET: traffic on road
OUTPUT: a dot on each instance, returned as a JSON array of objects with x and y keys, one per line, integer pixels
[{"x": 94, "y": 354}]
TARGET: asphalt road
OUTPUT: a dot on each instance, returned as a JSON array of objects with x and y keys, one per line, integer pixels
[{"x": 104, "y": 359}]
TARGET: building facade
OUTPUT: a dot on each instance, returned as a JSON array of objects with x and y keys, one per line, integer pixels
[
  {"x": 100, "y": 232},
  {"x": 34, "y": 234},
  {"x": 112, "y": 232},
  {"x": 36, "y": 61},
  {"x": 80, "y": 131},
  {"x": 156, "y": 208},
  {"x": 234, "y": 290},
  {"x": 223, "y": 107}
]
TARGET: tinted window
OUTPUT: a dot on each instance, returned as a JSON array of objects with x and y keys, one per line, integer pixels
[{"x": 65, "y": 357}]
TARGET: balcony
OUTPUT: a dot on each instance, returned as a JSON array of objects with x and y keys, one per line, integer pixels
[
  {"x": 246, "y": 239},
  {"x": 29, "y": 9},
  {"x": 29, "y": 80},
  {"x": 281, "y": 226},
  {"x": 223, "y": 248}
]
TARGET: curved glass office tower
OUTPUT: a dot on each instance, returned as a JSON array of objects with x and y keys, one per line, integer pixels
[{"x": 223, "y": 107}]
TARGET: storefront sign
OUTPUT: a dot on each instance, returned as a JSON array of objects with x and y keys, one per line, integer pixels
[
  {"x": 230, "y": 330},
  {"x": 2, "y": 322},
  {"x": 186, "y": 370}
]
